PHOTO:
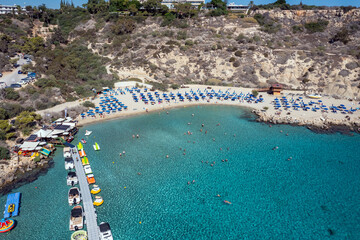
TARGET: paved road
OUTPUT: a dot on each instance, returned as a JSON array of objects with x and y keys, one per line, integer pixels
[{"x": 13, "y": 77}]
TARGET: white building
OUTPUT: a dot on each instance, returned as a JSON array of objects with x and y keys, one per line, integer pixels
[
  {"x": 237, "y": 8},
  {"x": 4, "y": 9},
  {"x": 171, "y": 3}
]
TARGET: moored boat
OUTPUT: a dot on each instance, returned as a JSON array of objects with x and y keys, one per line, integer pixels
[
  {"x": 79, "y": 235},
  {"x": 105, "y": 231},
  {"x": 90, "y": 178},
  {"x": 72, "y": 179},
  {"x": 85, "y": 161},
  {"x": 96, "y": 189},
  {"x": 96, "y": 147},
  {"x": 87, "y": 133},
  {"x": 80, "y": 146},
  {"x": 74, "y": 196},
  {"x": 76, "y": 218},
  {"x": 66, "y": 152},
  {"x": 69, "y": 163},
  {"x": 83, "y": 141},
  {"x": 98, "y": 201},
  {"x": 82, "y": 153},
  {"x": 87, "y": 169},
  {"x": 314, "y": 96}
]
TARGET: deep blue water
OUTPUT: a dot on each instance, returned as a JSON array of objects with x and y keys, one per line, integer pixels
[{"x": 314, "y": 195}]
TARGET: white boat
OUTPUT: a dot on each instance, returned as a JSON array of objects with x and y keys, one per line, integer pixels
[
  {"x": 87, "y": 133},
  {"x": 314, "y": 96},
  {"x": 66, "y": 152},
  {"x": 72, "y": 179},
  {"x": 69, "y": 163},
  {"x": 76, "y": 218},
  {"x": 74, "y": 196},
  {"x": 87, "y": 169},
  {"x": 96, "y": 147},
  {"x": 105, "y": 231}
]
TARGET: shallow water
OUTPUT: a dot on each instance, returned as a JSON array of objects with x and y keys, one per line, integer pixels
[{"x": 315, "y": 195}]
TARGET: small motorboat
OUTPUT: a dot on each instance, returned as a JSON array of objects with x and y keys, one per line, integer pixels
[
  {"x": 76, "y": 218},
  {"x": 72, "y": 179},
  {"x": 66, "y": 152},
  {"x": 314, "y": 96},
  {"x": 6, "y": 225},
  {"x": 87, "y": 169},
  {"x": 79, "y": 235},
  {"x": 98, "y": 201},
  {"x": 91, "y": 178},
  {"x": 74, "y": 196},
  {"x": 87, "y": 133},
  {"x": 82, "y": 153},
  {"x": 95, "y": 190},
  {"x": 69, "y": 163},
  {"x": 227, "y": 202},
  {"x": 83, "y": 141},
  {"x": 85, "y": 161},
  {"x": 105, "y": 231},
  {"x": 80, "y": 146},
  {"x": 96, "y": 147}
]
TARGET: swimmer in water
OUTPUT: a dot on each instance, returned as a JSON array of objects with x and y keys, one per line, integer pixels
[
  {"x": 167, "y": 156},
  {"x": 202, "y": 125},
  {"x": 275, "y": 148},
  {"x": 124, "y": 152},
  {"x": 218, "y": 195},
  {"x": 206, "y": 132},
  {"x": 120, "y": 154},
  {"x": 222, "y": 160},
  {"x": 193, "y": 181}
]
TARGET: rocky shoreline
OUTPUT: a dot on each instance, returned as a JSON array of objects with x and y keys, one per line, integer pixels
[
  {"x": 322, "y": 125},
  {"x": 22, "y": 174}
]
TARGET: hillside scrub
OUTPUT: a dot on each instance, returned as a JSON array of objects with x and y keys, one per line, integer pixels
[{"x": 319, "y": 26}]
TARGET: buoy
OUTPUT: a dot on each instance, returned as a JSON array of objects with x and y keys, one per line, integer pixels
[
  {"x": 113, "y": 162},
  {"x": 140, "y": 222},
  {"x": 124, "y": 187}
]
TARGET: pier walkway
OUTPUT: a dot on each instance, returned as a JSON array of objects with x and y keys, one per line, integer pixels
[{"x": 89, "y": 209}]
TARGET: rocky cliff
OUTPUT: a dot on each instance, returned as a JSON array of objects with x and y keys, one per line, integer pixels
[{"x": 239, "y": 52}]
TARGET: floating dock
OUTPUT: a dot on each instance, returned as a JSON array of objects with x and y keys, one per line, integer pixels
[
  {"x": 13, "y": 198},
  {"x": 89, "y": 209}
]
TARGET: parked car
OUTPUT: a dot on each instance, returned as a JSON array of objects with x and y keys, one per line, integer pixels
[
  {"x": 2, "y": 85},
  {"x": 16, "y": 65},
  {"x": 0, "y": 74},
  {"x": 20, "y": 72},
  {"x": 23, "y": 82},
  {"x": 26, "y": 79}
]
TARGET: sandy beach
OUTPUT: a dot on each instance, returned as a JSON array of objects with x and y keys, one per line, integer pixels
[{"x": 299, "y": 117}]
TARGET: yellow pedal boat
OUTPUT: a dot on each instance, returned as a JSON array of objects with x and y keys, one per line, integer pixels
[
  {"x": 95, "y": 189},
  {"x": 98, "y": 201}
]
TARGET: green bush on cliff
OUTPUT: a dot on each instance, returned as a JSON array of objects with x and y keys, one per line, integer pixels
[
  {"x": 319, "y": 26},
  {"x": 26, "y": 121},
  {"x": 4, "y": 153}
]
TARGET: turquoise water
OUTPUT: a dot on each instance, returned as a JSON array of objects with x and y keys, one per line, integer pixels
[{"x": 314, "y": 195}]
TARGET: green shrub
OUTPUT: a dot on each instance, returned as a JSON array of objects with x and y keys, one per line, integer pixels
[
  {"x": 88, "y": 104},
  {"x": 297, "y": 28},
  {"x": 124, "y": 26},
  {"x": 11, "y": 94},
  {"x": 255, "y": 93},
  {"x": 232, "y": 59},
  {"x": 189, "y": 43},
  {"x": 318, "y": 26},
  {"x": 159, "y": 86},
  {"x": 181, "y": 35},
  {"x": 238, "y": 53},
  {"x": 4, "y": 153},
  {"x": 175, "y": 86}
]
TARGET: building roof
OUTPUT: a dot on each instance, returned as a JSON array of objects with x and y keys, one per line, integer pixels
[
  {"x": 32, "y": 137},
  {"x": 43, "y": 133},
  {"x": 29, "y": 146}
]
